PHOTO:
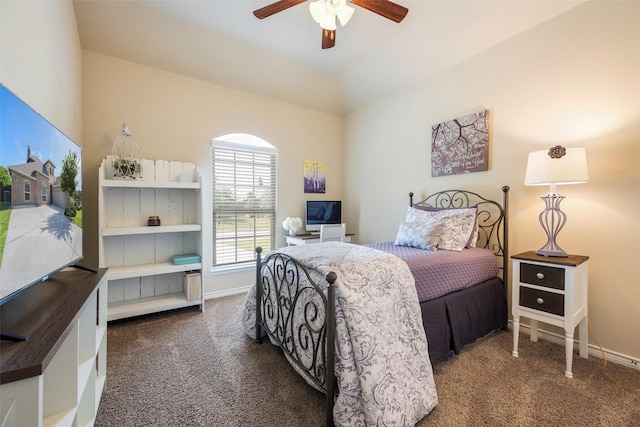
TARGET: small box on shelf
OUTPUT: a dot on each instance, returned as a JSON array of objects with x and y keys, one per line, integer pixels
[
  {"x": 185, "y": 259},
  {"x": 191, "y": 284}
]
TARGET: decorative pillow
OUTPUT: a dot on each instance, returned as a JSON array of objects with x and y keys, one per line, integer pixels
[
  {"x": 457, "y": 224},
  {"x": 473, "y": 239},
  {"x": 419, "y": 235}
]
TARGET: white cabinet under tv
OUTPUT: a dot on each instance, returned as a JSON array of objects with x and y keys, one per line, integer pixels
[
  {"x": 55, "y": 377},
  {"x": 143, "y": 278}
]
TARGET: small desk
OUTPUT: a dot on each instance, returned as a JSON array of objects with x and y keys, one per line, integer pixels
[{"x": 308, "y": 238}]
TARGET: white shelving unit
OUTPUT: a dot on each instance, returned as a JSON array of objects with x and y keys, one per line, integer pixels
[{"x": 142, "y": 276}]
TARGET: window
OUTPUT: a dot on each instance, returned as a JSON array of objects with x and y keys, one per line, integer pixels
[
  {"x": 27, "y": 191},
  {"x": 244, "y": 198},
  {"x": 44, "y": 192}
]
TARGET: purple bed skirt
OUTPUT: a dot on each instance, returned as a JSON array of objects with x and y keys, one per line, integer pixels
[{"x": 462, "y": 317}]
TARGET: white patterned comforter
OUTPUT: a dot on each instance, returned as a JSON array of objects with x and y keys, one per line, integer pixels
[{"x": 383, "y": 369}]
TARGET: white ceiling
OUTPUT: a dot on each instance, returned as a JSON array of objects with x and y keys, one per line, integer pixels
[{"x": 280, "y": 57}]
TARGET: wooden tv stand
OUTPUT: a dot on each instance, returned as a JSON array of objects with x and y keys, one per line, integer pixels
[{"x": 57, "y": 375}]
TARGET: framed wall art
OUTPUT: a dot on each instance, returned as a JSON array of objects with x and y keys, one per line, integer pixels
[
  {"x": 460, "y": 145},
  {"x": 314, "y": 177}
]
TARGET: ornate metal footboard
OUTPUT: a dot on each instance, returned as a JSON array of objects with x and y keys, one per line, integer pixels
[{"x": 298, "y": 315}]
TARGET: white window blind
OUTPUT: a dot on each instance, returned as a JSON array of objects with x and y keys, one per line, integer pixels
[{"x": 244, "y": 201}]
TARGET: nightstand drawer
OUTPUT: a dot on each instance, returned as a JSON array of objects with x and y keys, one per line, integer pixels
[
  {"x": 542, "y": 275},
  {"x": 542, "y": 300}
]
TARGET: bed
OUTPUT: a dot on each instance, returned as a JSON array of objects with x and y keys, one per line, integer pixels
[{"x": 385, "y": 315}]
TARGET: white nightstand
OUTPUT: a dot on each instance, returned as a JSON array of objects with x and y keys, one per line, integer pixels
[{"x": 552, "y": 290}]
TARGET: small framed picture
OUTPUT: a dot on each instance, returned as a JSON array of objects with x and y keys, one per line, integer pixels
[{"x": 314, "y": 177}]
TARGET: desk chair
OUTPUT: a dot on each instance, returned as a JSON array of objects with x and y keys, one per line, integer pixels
[{"x": 333, "y": 233}]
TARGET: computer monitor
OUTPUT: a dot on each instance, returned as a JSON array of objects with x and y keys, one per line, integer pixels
[{"x": 319, "y": 212}]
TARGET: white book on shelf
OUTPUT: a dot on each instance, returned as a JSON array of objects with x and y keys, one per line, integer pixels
[{"x": 191, "y": 284}]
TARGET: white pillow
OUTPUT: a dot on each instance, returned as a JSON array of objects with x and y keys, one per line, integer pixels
[
  {"x": 419, "y": 235},
  {"x": 473, "y": 238},
  {"x": 457, "y": 225}
]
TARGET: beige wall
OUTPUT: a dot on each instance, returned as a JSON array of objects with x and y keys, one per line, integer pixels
[
  {"x": 173, "y": 117},
  {"x": 41, "y": 60},
  {"x": 572, "y": 81}
]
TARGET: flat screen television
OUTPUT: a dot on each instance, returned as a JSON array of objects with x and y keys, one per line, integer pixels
[
  {"x": 319, "y": 212},
  {"x": 40, "y": 197}
]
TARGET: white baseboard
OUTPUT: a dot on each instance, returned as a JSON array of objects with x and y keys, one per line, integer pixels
[
  {"x": 226, "y": 293},
  {"x": 594, "y": 350}
]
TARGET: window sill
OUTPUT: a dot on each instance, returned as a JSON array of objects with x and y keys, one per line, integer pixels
[{"x": 235, "y": 268}]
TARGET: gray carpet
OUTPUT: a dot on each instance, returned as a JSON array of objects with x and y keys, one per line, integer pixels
[{"x": 187, "y": 368}]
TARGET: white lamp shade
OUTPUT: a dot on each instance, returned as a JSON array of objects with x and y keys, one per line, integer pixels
[{"x": 568, "y": 169}]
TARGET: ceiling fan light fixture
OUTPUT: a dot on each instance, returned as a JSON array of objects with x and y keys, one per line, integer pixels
[
  {"x": 318, "y": 10},
  {"x": 345, "y": 15},
  {"x": 334, "y": 7},
  {"x": 324, "y": 12},
  {"x": 329, "y": 22},
  {"x": 328, "y": 12}
]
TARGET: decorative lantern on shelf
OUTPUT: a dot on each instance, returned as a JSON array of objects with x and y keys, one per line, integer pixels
[{"x": 126, "y": 156}]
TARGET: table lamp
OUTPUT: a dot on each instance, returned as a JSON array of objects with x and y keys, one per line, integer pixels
[{"x": 555, "y": 166}]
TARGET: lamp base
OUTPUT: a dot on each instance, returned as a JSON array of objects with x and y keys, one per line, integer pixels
[
  {"x": 552, "y": 219},
  {"x": 552, "y": 253}
]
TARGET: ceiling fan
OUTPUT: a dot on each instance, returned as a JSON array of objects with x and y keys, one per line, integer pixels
[{"x": 326, "y": 12}]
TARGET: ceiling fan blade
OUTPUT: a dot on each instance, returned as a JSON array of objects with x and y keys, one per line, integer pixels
[
  {"x": 276, "y": 7},
  {"x": 328, "y": 38},
  {"x": 386, "y": 8}
]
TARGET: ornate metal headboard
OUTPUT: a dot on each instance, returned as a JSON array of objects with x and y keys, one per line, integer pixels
[{"x": 492, "y": 219}]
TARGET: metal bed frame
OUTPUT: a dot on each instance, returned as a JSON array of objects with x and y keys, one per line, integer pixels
[
  {"x": 492, "y": 217},
  {"x": 281, "y": 280}
]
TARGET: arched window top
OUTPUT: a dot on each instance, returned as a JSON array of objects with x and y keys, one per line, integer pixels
[{"x": 244, "y": 141}]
